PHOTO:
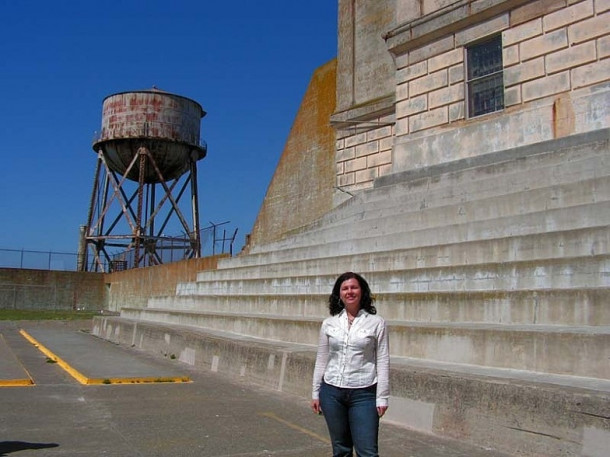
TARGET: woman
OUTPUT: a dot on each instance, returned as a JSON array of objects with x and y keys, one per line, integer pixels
[{"x": 351, "y": 376}]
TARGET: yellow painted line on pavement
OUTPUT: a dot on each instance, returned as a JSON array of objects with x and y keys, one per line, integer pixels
[
  {"x": 139, "y": 380},
  {"x": 96, "y": 381},
  {"x": 16, "y": 382},
  {"x": 71, "y": 371},
  {"x": 295, "y": 427}
]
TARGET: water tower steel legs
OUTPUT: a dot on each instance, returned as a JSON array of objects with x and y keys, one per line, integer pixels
[
  {"x": 142, "y": 239},
  {"x": 138, "y": 232},
  {"x": 196, "y": 241}
]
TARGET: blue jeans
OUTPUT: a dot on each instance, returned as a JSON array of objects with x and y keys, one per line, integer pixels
[{"x": 352, "y": 419}]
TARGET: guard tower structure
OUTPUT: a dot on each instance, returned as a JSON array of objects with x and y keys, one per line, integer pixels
[{"x": 147, "y": 153}]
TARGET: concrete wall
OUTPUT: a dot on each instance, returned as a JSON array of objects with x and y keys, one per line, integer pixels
[
  {"x": 134, "y": 287},
  {"x": 302, "y": 186},
  {"x": 365, "y": 68},
  {"x": 364, "y": 118},
  {"x": 46, "y": 289}
]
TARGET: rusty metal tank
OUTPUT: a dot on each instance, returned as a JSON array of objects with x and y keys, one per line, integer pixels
[{"x": 166, "y": 124}]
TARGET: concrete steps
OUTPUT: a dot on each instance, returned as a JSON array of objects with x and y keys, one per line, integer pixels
[
  {"x": 550, "y": 349},
  {"x": 579, "y": 307},
  {"x": 540, "y": 182},
  {"x": 571, "y": 243},
  {"x": 566, "y": 273},
  {"x": 410, "y": 218},
  {"x": 493, "y": 275},
  {"x": 485, "y": 176},
  {"x": 595, "y": 215},
  {"x": 514, "y": 251}
]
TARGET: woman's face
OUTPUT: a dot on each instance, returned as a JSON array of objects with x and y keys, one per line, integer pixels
[{"x": 350, "y": 293}]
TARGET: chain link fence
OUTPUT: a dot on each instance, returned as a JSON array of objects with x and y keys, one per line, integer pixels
[
  {"x": 37, "y": 260},
  {"x": 214, "y": 240}
]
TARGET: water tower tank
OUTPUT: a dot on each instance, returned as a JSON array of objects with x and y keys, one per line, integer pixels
[
  {"x": 149, "y": 138},
  {"x": 167, "y": 125}
]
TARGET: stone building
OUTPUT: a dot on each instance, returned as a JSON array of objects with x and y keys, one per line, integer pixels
[{"x": 429, "y": 82}]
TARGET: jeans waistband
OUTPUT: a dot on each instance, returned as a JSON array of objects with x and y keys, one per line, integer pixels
[{"x": 371, "y": 388}]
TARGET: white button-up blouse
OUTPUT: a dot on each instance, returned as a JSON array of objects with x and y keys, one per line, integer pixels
[{"x": 353, "y": 357}]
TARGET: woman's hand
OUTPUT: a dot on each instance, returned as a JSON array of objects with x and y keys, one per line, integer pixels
[
  {"x": 381, "y": 410},
  {"x": 315, "y": 406}
]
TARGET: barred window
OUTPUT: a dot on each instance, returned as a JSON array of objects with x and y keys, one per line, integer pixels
[{"x": 485, "y": 81}]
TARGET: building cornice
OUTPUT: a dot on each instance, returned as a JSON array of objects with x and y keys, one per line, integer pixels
[
  {"x": 454, "y": 17},
  {"x": 364, "y": 112}
]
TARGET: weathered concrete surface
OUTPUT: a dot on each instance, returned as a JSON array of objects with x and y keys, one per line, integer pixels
[
  {"x": 213, "y": 416},
  {"x": 366, "y": 70},
  {"x": 497, "y": 409},
  {"x": 48, "y": 289},
  {"x": 301, "y": 189},
  {"x": 496, "y": 269},
  {"x": 579, "y": 307},
  {"x": 12, "y": 371},
  {"x": 510, "y": 412},
  {"x": 568, "y": 350},
  {"x": 134, "y": 287},
  {"x": 96, "y": 361}
]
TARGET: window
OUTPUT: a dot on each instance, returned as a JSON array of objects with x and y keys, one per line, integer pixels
[{"x": 485, "y": 82}]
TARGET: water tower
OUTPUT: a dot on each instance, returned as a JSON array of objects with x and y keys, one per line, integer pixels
[{"x": 147, "y": 153}]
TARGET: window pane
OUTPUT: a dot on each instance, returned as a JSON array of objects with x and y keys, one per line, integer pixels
[
  {"x": 485, "y": 77},
  {"x": 486, "y": 95},
  {"x": 485, "y": 58}
]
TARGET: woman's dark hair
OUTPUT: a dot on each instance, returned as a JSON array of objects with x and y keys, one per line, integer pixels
[{"x": 335, "y": 305}]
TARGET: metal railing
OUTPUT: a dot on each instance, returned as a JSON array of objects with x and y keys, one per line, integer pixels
[
  {"x": 214, "y": 240},
  {"x": 142, "y": 131},
  {"x": 38, "y": 260}
]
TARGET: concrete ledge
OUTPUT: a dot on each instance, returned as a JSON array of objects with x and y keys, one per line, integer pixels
[
  {"x": 455, "y": 16},
  {"x": 573, "y": 141},
  {"x": 519, "y": 417},
  {"x": 550, "y": 349},
  {"x": 512, "y": 175},
  {"x": 277, "y": 366},
  {"x": 504, "y": 409}
]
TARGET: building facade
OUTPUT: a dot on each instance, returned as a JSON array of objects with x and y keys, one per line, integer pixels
[{"x": 427, "y": 82}]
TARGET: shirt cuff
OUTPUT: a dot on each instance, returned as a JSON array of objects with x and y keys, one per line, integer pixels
[{"x": 381, "y": 402}]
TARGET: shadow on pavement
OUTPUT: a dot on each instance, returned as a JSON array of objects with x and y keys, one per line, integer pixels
[{"x": 7, "y": 447}]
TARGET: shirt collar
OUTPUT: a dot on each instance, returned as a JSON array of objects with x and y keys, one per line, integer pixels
[{"x": 343, "y": 314}]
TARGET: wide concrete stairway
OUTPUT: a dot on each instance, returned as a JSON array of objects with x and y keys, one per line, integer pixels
[{"x": 493, "y": 275}]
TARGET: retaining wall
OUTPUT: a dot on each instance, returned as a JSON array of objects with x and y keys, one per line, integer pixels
[
  {"x": 134, "y": 287},
  {"x": 48, "y": 289}
]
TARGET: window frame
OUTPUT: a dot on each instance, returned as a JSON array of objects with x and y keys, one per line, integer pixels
[{"x": 489, "y": 76}]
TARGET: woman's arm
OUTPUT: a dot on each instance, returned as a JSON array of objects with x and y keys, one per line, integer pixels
[
  {"x": 383, "y": 369},
  {"x": 320, "y": 368}
]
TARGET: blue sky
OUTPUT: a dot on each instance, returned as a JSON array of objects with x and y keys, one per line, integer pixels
[{"x": 247, "y": 62}]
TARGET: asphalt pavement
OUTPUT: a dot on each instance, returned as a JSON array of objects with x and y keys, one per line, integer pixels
[{"x": 64, "y": 392}]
